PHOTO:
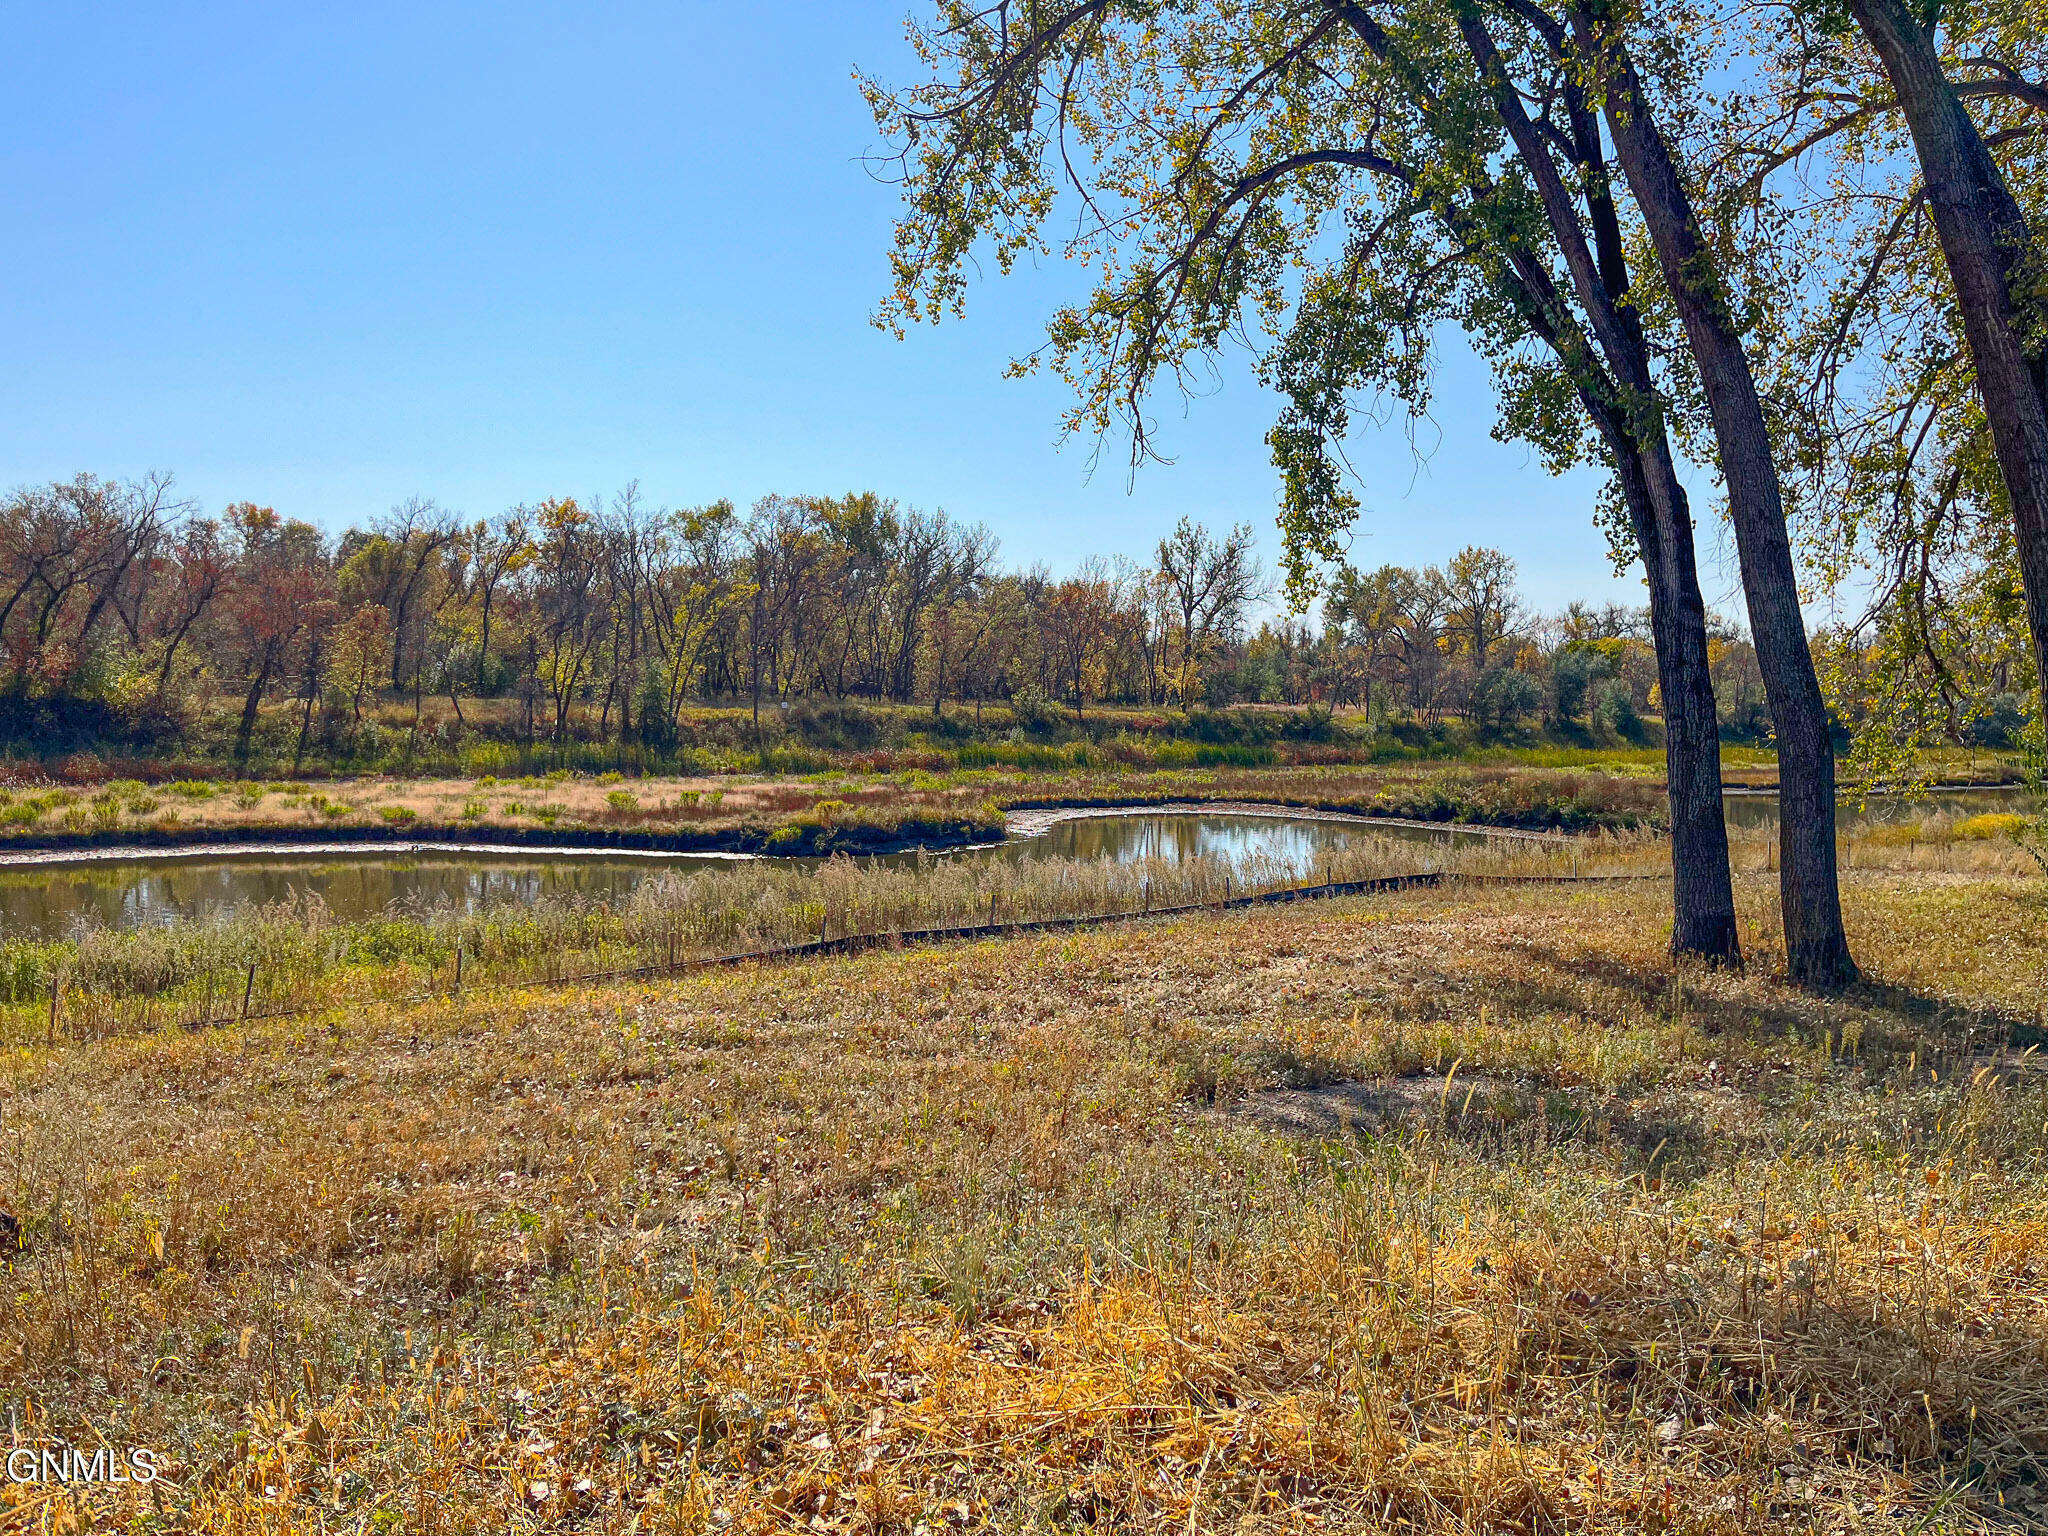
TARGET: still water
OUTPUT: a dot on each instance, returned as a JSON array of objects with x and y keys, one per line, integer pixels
[{"x": 47, "y": 901}]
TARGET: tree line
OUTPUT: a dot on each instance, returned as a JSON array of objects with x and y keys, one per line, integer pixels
[{"x": 127, "y": 613}]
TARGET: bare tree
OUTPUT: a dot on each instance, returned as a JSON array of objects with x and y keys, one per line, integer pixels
[{"x": 1209, "y": 582}]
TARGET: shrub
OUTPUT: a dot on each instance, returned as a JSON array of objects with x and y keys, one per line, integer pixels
[
  {"x": 1034, "y": 714},
  {"x": 835, "y": 723},
  {"x": 1614, "y": 712},
  {"x": 623, "y": 802},
  {"x": 1316, "y": 722},
  {"x": 1502, "y": 696},
  {"x": 1233, "y": 727},
  {"x": 398, "y": 815}
]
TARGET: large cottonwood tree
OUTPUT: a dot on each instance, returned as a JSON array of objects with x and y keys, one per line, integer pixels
[{"x": 1328, "y": 183}]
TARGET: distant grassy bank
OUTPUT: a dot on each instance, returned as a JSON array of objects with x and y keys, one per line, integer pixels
[{"x": 832, "y": 811}]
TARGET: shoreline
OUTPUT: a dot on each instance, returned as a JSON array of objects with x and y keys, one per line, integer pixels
[
  {"x": 744, "y": 842},
  {"x": 1022, "y": 824}
]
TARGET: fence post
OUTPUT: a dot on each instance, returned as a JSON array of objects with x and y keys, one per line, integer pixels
[
  {"x": 56, "y": 992},
  {"x": 1148, "y": 895},
  {"x": 458, "y": 967},
  {"x": 248, "y": 987},
  {"x": 824, "y": 920}
]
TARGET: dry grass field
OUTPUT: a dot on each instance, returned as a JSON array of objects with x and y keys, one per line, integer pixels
[{"x": 1449, "y": 1210}]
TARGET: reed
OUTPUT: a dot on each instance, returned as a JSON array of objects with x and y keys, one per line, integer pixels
[{"x": 296, "y": 954}]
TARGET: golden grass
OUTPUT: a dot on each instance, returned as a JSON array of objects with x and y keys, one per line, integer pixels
[
  {"x": 1000, "y": 1237},
  {"x": 295, "y": 955}
]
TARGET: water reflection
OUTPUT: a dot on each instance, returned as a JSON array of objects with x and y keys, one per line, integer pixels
[
  {"x": 49, "y": 902},
  {"x": 1299, "y": 845}
]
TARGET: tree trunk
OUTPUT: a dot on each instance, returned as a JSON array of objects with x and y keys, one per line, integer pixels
[
  {"x": 483, "y": 644},
  {"x": 1703, "y": 893},
  {"x": 1629, "y": 416},
  {"x": 306, "y": 714},
  {"x": 1985, "y": 238},
  {"x": 163, "y": 677},
  {"x": 1816, "y": 948},
  {"x": 247, "y": 728}
]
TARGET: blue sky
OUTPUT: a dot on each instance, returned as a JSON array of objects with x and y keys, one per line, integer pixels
[{"x": 330, "y": 257}]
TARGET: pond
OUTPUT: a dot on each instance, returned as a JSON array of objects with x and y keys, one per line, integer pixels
[{"x": 49, "y": 900}]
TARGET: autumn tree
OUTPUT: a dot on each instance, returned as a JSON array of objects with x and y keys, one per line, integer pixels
[
  {"x": 1208, "y": 582},
  {"x": 1479, "y": 600},
  {"x": 281, "y": 572}
]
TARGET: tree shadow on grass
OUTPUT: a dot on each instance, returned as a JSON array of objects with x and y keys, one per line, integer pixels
[
  {"x": 1498, "y": 1117},
  {"x": 1906, "y": 1019}
]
